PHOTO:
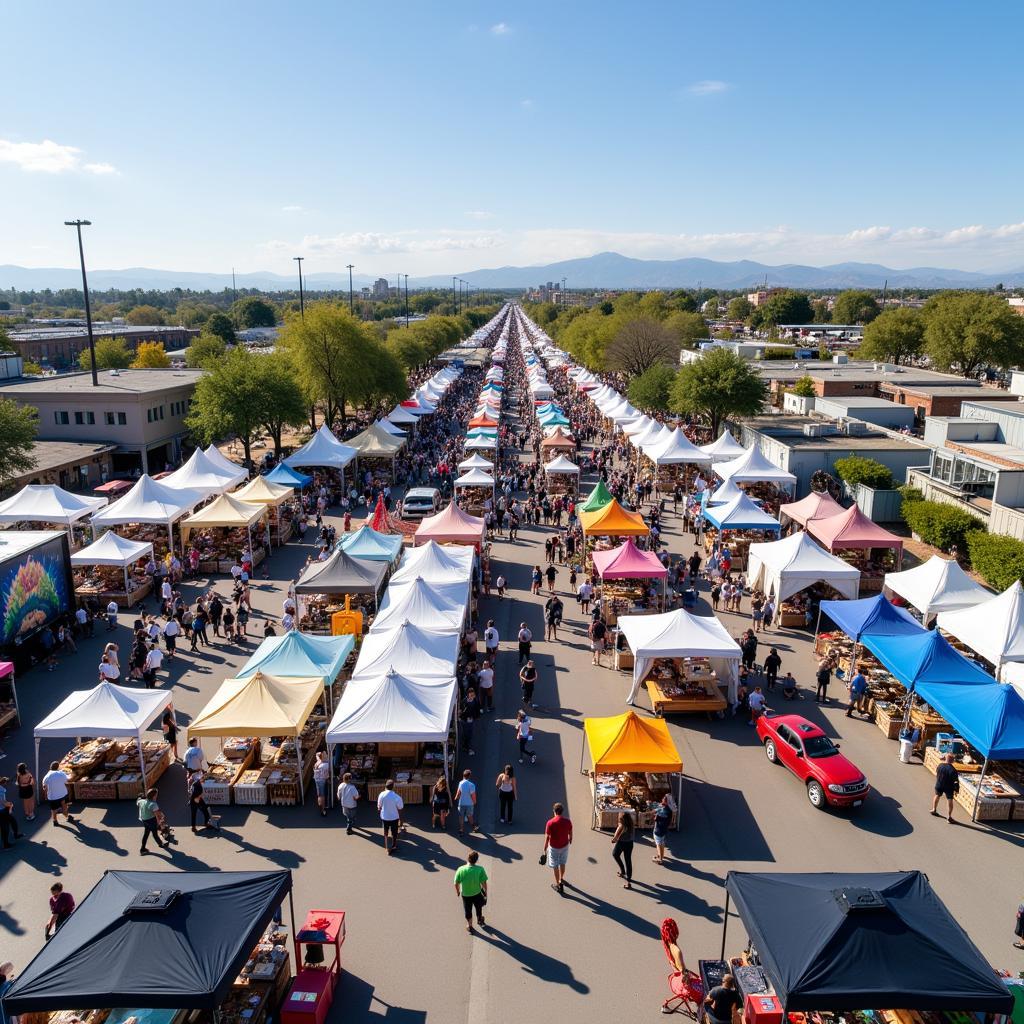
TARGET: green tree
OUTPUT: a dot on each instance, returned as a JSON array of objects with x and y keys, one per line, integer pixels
[
  {"x": 822, "y": 314},
  {"x": 855, "y": 469},
  {"x": 804, "y": 387},
  {"x": 205, "y": 349},
  {"x": 717, "y": 385},
  {"x": 786, "y": 307},
  {"x": 282, "y": 402},
  {"x": 19, "y": 425},
  {"x": 651, "y": 389},
  {"x": 641, "y": 343},
  {"x": 688, "y": 327},
  {"x": 895, "y": 336},
  {"x": 111, "y": 354},
  {"x": 228, "y": 401},
  {"x": 407, "y": 348},
  {"x": 587, "y": 336},
  {"x": 30, "y": 368},
  {"x": 739, "y": 308},
  {"x": 253, "y": 311},
  {"x": 854, "y": 307},
  {"x": 150, "y": 355},
  {"x": 221, "y": 325},
  {"x": 193, "y": 314},
  {"x": 968, "y": 330},
  {"x": 6, "y": 345},
  {"x": 145, "y": 316}
]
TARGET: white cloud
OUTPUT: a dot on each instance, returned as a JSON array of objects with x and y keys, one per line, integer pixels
[
  {"x": 501, "y": 29},
  {"x": 526, "y": 104},
  {"x": 479, "y": 214},
  {"x": 49, "y": 157},
  {"x": 708, "y": 87},
  {"x": 291, "y": 209},
  {"x": 375, "y": 243}
]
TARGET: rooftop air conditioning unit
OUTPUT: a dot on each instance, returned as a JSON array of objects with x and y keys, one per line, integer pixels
[
  {"x": 856, "y": 428},
  {"x": 815, "y": 429}
]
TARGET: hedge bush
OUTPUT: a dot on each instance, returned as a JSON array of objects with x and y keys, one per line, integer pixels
[
  {"x": 909, "y": 494},
  {"x": 855, "y": 469},
  {"x": 998, "y": 559},
  {"x": 778, "y": 352},
  {"x": 940, "y": 525}
]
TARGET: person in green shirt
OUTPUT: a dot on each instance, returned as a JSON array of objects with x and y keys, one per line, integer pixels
[
  {"x": 148, "y": 811},
  {"x": 471, "y": 885}
]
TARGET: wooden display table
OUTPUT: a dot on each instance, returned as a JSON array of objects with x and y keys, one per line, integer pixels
[
  {"x": 932, "y": 760},
  {"x": 792, "y": 620},
  {"x": 929, "y": 723},
  {"x": 1000, "y": 800},
  {"x": 889, "y": 719},
  {"x": 666, "y": 703}
]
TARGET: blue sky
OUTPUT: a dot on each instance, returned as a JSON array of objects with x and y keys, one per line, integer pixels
[{"x": 445, "y": 136}]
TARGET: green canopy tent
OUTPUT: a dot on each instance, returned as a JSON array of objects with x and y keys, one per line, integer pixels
[{"x": 598, "y": 498}]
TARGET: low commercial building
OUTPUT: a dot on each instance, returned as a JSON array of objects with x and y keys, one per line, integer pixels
[
  {"x": 141, "y": 412},
  {"x": 804, "y": 445},
  {"x": 74, "y": 465},
  {"x": 59, "y": 347},
  {"x": 876, "y": 411},
  {"x": 939, "y": 400}
]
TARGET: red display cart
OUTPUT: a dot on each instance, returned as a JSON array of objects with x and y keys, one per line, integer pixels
[{"x": 313, "y": 986}]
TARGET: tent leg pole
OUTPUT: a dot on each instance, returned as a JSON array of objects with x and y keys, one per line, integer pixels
[
  {"x": 291, "y": 909},
  {"x": 39, "y": 787},
  {"x": 977, "y": 795},
  {"x": 725, "y": 924},
  {"x": 142, "y": 764},
  {"x": 330, "y": 761},
  {"x": 817, "y": 625}
]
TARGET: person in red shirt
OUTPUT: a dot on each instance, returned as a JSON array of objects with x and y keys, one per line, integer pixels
[
  {"x": 557, "y": 838},
  {"x": 62, "y": 904}
]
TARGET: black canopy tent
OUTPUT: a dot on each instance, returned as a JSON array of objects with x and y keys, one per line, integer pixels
[
  {"x": 186, "y": 956},
  {"x": 341, "y": 573},
  {"x": 862, "y": 942}
]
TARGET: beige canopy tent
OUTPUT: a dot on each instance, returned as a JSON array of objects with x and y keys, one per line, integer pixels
[
  {"x": 376, "y": 443},
  {"x": 227, "y": 511},
  {"x": 260, "y": 705},
  {"x": 261, "y": 491}
]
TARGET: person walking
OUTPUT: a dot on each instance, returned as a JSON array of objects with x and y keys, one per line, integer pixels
[
  {"x": 597, "y": 632},
  {"x": 528, "y": 680},
  {"x": 171, "y": 632},
  {"x": 772, "y": 664},
  {"x": 148, "y": 811},
  {"x": 485, "y": 679},
  {"x": 585, "y": 593},
  {"x": 55, "y": 791},
  {"x": 557, "y": 840},
  {"x": 197, "y": 803},
  {"x": 551, "y": 574},
  {"x": 62, "y": 906},
  {"x": 491, "y": 641},
  {"x": 348, "y": 798},
  {"x": 622, "y": 848},
  {"x": 523, "y": 734},
  {"x": 440, "y": 804},
  {"x": 471, "y": 886},
  {"x": 8, "y": 824},
  {"x": 471, "y": 711},
  {"x": 822, "y": 679},
  {"x": 26, "y": 783},
  {"x": 553, "y": 609},
  {"x": 947, "y": 784},
  {"x": 525, "y": 638},
  {"x": 662, "y": 823},
  {"x": 535, "y": 578},
  {"x": 389, "y": 806},
  {"x": 465, "y": 799},
  {"x": 151, "y": 665},
  {"x": 857, "y": 688},
  {"x": 322, "y": 778},
  {"x": 508, "y": 793},
  {"x": 169, "y": 727}
]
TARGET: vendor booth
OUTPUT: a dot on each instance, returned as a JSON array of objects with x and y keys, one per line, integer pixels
[
  {"x": 475, "y": 490},
  {"x": 377, "y": 450},
  {"x": 675, "y": 458},
  {"x": 562, "y": 476},
  {"x": 724, "y": 449},
  {"x": 558, "y": 442},
  {"x": 793, "y": 565},
  {"x": 684, "y": 659},
  {"x": 758, "y": 476},
  {"x": 736, "y": 525},
  {"x": 369, "y": 545},
  {"x": 279, "y": 501},
  {"x": 597, "y": 499},
  {"x": 938, "y": 585},
  {"x": 118, "y": 764},
  {"x": 50, "y": 505},
  {"x": 280, "y": 711},
  {"x": 204, "y": 474},
  {"x": 220, "y": 460},
  {"x": 634, "y": 765},
  {"x": 412, "y": 650},
  {"x": 288, "y": 477},
  {"x": 476, "y": 462},
  {"x": 226, "y": 530},
  {"x": 428, "y": 605},
  {"x": 854, "y": 942},
  {"x": 451, "y": 526},
  {"x": 435, "y": 563},
  {"x": 481, "y": 443},
  {"x": 148, "y": 512},
  {"x": 322, "y": 588},
  {"x": 816, "y": 505},
  {"x": 994, "y": 628},
  {"x": 863, "y": 543},
  {"x": 324, "y": 451},
  {"x": 397, "y": 725},
  {"x": 113, "y": 569},
  {"x": 627, "y": 574},
  {"x": 383, "y": 522}
]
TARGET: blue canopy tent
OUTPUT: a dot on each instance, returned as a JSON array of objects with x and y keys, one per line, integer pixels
[
  {"x": 874, "y": 616},
  {"x": 740, "y": 514},
  {"x": 990, "y": 716},
  {"x": 282, "y": 474},
  {"x": 371, "y": 545},
  {"x": 927, "y": 657}
]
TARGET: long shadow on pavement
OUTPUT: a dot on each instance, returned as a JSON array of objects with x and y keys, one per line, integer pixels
[
  {"x": 533, "y": 961},
  {"x": 720, "y": 825},
  {"x": 360, "y": 1004}
]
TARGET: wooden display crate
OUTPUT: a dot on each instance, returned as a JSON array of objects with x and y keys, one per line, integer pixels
[
  {"x": 792, "y": 620},
  {"x": 129, "y": 787},
  {"x": 889, "y": 723},
  {"x": 283, "y": 794},
  {"x": 90, "y": 790},
  {"x": 988, "y": 809},
  {"x": 396, "y": 749},
  {"x": 217, "y": 792}
]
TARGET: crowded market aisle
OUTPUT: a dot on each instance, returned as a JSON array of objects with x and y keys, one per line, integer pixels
[{"x": 594, "y": 950}]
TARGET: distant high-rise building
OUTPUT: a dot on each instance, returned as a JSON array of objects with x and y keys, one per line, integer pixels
[{"x": 380, "y": 288}]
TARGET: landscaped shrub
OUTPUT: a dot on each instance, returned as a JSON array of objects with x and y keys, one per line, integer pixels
[
  {"x": 778, "y": 352},
  {"x": 940, "y": 525},
  {"x": 855, "y": 469},
  {"x": 909, "y": 494},
  {"x": 997, "y": 559}
]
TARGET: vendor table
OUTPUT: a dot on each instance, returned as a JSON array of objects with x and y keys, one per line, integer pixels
[
  {"x": 998, "y": 799},
  {"x": 669, "y": 700},
  {"x": 614, "y": 795}
]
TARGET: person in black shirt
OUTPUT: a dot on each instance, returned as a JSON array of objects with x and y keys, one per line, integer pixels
[
  {"x": 722, "y": 1000},
  {"x": 947, "y": 782},
  {"x": 772, "y": 664},
  {"x": 471, "y": 711},
  {"x": 197, "y": 803}
]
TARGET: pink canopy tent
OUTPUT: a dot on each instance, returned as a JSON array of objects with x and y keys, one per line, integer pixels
[
  {"x": 817, "y": 505},
  {"x": 451, "y": 526},
  {"x": 628, "y": 562},
  {"x": 853, "y": 529}
]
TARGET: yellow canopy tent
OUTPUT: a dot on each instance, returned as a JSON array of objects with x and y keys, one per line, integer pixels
[
  {"x": 261, "y": 491},
  {"x": 260, "y": 705},
  {"x": 226, "y": 510},
  {"x": 612, "y": 520},
  {"x": 629, "y": 743}
]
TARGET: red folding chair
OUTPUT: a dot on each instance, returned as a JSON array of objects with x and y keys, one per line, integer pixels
[{"x": 685, "y": 986}]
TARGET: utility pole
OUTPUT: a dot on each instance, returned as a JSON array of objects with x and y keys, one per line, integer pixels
[
  {"x": 78, "y": 225},
  {"x": 234, "y": 290},
  {"x": 885, "y": 288},
  {"x": 406, "y": 300},
  {"x": 302, "y": 297},
  {"x": 455, "y": 305},
  {"x": 351, "y": 304}
]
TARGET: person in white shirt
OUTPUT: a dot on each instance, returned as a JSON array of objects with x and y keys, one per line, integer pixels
[
  {"x": 108, "y": 671},
  {"x": 194, "y": 757},
  {"x": 756, "y": 702},
  {"x": 55, "y": 789},
  {"x": 500, "y": 584},
  {"x": 491, "y": 640},
  {"x": 171, "y": 632},
  {"x": 525, "y": 638},
  {"x": 111, "y": 616},
  {"x": 390, "y": 805},
  {"x": 236, "y": 571},
  {"x": 84, "y": 622},
  {"x": 348, "y": 797},
  {"x": 150, "y": 667},
  {"x": 486, "y": 687},
  {"x": 166, "y": 592},
  {"x": 465, "y": 801},
  {"x": 585, "y": 593}
]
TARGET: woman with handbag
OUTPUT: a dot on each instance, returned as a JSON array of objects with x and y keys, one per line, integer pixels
[{"x": 508, "y": 793}]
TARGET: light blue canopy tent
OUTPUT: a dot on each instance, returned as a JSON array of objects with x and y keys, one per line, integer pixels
[
  {"x": 282, "y": 474},
  {"x": 371, "y": 545},
  {"x": 300, "y": 656},
  {"x": 740, "y": 514}
]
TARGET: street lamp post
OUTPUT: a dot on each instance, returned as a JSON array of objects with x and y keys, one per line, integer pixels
[
  {"x": 78, "y": 225},
  {"x": 302, "y": 296},
  {"x": 406, "y": 276},
  {"x": 351, "y": 304}
]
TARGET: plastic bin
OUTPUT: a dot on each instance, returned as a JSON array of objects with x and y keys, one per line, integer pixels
[{"x": 906, "y": 750}]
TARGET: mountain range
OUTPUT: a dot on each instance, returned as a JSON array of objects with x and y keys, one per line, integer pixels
[{"x": 603, "y": 270}]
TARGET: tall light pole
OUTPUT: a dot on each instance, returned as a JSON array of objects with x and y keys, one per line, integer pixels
[
  {"x": 351, "y": 304},
  {"x": 455, "y": 305},
  {"x": 302, "y": 296},
  {"x": 78, "y": 225},
  {"x": 406, "y": 276}
]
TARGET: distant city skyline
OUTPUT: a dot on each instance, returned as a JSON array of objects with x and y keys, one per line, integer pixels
[{"x": 453, "y": 135}]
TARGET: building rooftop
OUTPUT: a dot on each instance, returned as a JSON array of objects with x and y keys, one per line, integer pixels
[
  {"x": 1000, "y": 407},
  {"x": 54, "y": 333},
  {"x": 54, "y": 454},
  {"x": 993, "y": 451},
  {"x": 858, "y": 402},
  {"x": 789, "y": 430},
  {"x": 932, "y": 390},
  {"x": 111, "y": 383}
]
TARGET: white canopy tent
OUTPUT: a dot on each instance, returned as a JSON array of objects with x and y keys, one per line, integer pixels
[
  {"x": 415, "y": 651},
  {"x": 561, "y": 464},
  {"x": 724, "y": 449},
  {"x": 481, "y": 443},
  {"x": 636, "y": 427},
  {"x": 389, "y": 427},
  {"x": 435, "y": 563},
  {"x": 475, "y": 478},
  {"x": 402, "y": 417},
  {"x": 725, "y": 493},
  {"x": 754, "y": 467},
  {"x": 219, "y": 459},
  {"x": 323, "y": 449},
  {"x": 48, "y": 503},
  {"x": 105, "y": 710},
  {"x": 676, "y": 449},
  {"x": 201, "y": 473},
  {"x": 476, "y": 462},
  {"x": 427, "y": 605},
  {"x": 994, "y": 628},
  {"x": 679, "y": 634},
  {"x": 938, "y": 585},
  {"x": 111, "y": 549},
  {"x": 796, "y": 562},
  {"x": 152, "y": 502}
]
